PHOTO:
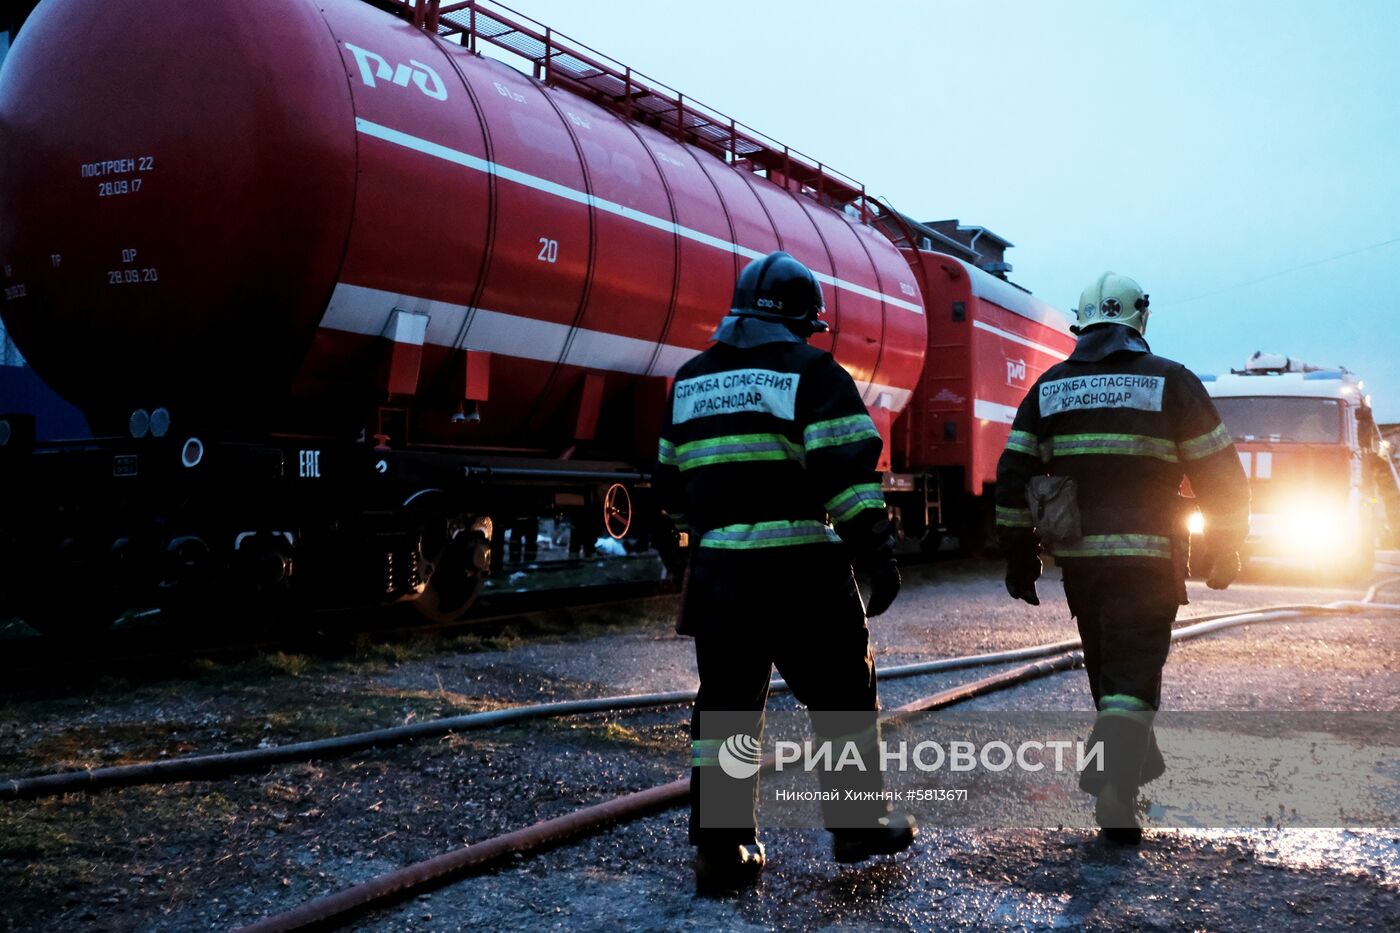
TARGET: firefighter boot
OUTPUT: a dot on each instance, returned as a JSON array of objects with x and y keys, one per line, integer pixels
[
  {"x": 1116, "y": 813},
  {"x": 893, "y": 833},
  {"x": 727, "y": 869}
]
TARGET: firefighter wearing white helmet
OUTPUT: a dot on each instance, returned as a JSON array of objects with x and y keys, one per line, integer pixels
[
  {"x": 1112, "y": 299},
  {"x": 1091, "y": 474}
]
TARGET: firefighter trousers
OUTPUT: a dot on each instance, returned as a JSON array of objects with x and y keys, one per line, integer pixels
[
  {"x": 796, "y": 609},
  {"x": 1125, "y": 615}
]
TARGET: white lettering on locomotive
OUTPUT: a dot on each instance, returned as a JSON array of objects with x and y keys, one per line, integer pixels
[
  {"x": 422, "y": 75},
  {"x": 309, "y": 465},
  {"x": 740, "y": 390},
  {"x": 1108, "y": 390}
]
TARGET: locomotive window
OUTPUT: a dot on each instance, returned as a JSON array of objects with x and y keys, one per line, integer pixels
[{"x": 1295, "y": 420}]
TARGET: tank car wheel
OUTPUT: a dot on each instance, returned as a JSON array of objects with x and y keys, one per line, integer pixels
[
  {"x": 617, "y": 511},
  {"x": 457, "y": 576}
]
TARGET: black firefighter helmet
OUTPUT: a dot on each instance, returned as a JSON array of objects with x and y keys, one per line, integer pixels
[{"x": 781, "y": 289}]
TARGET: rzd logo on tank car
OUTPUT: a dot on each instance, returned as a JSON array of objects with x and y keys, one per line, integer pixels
[{"x": 375, "y": 66}]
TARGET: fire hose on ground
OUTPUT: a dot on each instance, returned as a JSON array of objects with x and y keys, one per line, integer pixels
[
  {"x": 338, "y": 907},
  {"x": 209, "y": 767}
]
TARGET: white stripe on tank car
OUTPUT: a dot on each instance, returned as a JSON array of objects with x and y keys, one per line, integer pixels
[
  {"x": 467, "y": 160},
  {"x": 985, "y": 410},
  {"x": 368, "y": 311},
  {"x": 1017, "y": 338}
]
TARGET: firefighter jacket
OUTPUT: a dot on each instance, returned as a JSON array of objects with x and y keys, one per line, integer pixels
[
  {"x": 764, "y": 438},
  {"x": 1125, "y": 425}
]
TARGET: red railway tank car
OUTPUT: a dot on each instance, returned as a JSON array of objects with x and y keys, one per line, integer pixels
[
  {"x": 335, "y": 291},
  {"x": 304, "y": 186},
  {"x": 988, "y": 342}
]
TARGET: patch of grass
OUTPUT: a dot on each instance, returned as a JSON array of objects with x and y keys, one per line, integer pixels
[
  {"x": 208, "y": 805},
  {"x": 372, "y": 707},
  {"x": 294, "y": 664},
  {"x": 600, "y": 620},
  {"x": 281, "y": 793},
  {"x": 473, "y": 642},
  {"x": 615, "y": 733},
  {"x": 45, "y": 874},
  {"x": 378, "y": 708},
  {"x": 51, "y": 843},
  {"x": 393, "y": 652},
  {"x": 92, "y": 746},
  {"x": 567, "y": 625},
  {"x": 440, "y": 699},
  {"x": 322, "y": 720},
  {"x": 25, "y": 836}
]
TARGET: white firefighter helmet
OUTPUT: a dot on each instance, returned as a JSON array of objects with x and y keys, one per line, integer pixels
[{"x": 1112, "y": 299}]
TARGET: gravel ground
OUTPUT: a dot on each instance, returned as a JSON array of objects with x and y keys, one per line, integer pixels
[{"x": 214, "y": 854}]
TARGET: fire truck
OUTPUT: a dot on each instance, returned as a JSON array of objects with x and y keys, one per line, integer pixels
[{"x": 1322, "y": 490}]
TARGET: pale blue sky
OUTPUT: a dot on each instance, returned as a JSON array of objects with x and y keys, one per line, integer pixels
[{"x": 1192, "y": 146}]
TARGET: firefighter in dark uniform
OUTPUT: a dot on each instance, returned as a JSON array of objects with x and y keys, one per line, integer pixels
[
  {"x": 1124, "y": 426},
  {"x": 767, "y": 458}
]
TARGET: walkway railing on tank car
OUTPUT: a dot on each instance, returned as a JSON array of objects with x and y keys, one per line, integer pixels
[{"x": 563, "y": 62}]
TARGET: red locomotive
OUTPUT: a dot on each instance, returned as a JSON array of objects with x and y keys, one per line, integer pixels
[{"x": 339, "y": 295}]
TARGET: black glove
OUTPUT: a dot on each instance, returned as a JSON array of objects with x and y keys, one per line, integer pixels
[
  {"x": 1225, "y": 567},
  {"x": 1022, "y": 564},
  {"x": 874, "y": 553},
  {"x": 884, "y": 587}
]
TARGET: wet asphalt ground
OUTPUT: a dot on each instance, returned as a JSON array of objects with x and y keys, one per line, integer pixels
[
  {"x": 210, "y": 855},
  {"x": 639, "y": 876}
]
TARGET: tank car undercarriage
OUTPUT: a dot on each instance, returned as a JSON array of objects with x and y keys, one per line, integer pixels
[{"x": 95, "y": 528}]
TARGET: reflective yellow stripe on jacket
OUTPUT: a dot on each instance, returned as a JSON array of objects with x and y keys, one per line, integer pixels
[
  {"x": 844, "y": 506},
  {"x": 1122, "y": 445},
  {"x": 1212, "y": 442},
  {"x": 1014, "y": 518},
  {"x": 769, "y": 534},
  {"x": 732, "y": 448},
  {"x": 837, "y": 431},
  {"x": 1118, "y": 546}
]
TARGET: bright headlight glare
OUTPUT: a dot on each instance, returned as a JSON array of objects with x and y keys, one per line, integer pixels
[
  {"x": 1196, "y": 523},
  {"x": 1313, "y": 528}
]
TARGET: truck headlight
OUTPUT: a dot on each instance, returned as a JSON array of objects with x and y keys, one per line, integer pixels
[{"x": 1313, "y": 528}]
